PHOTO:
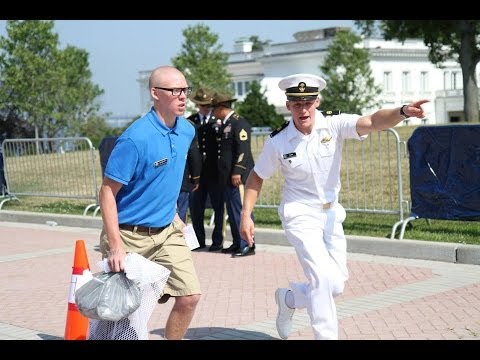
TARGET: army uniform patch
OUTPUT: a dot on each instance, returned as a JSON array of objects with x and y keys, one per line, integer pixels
[{"x": 243, "y": 135}]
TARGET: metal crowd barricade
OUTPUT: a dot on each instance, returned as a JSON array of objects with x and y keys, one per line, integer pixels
[
  {"x": 51, "y": 167},
  {"x": 373, "y": 177},
  {"x": 374, "y": 174}
]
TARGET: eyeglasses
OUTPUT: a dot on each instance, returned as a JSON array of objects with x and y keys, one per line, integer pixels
[{"x": 176, "y": 91}]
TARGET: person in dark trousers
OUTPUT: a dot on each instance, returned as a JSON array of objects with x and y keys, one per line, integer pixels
[
  {"x": 139, "y": 192},
  {"x": 209, "y": 135},
  {"x": 191, "y": 178},
  {"x": 234, "y": 163}
]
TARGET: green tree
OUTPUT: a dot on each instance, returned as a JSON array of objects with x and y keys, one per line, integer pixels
[
  {"x": 257, "y": 43},
  {"x": 455, "y": 40},
  {"x": 49, "y": 88},
  {"x": 256, "y": 109},
  {"x": 202, "y": 60},
  {"x": 96, "y": 128},
  {"x": 351, "y": 86},
  {"x": 77, "y": 96}
]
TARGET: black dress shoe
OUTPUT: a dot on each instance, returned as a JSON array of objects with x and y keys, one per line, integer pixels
[
  {"x": 231, "y": 249},
  {"x": 215, "y": 248},
  {"x": 246, "y": 251}
]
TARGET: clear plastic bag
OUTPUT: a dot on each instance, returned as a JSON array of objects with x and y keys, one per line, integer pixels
[
  {"x": 151, "y": 279},
  {"x": 108, "y": 296}
]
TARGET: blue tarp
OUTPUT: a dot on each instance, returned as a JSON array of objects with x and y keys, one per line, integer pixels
[{"x": 445, "y": 172}]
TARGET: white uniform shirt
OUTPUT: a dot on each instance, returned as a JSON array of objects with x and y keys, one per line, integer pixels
[{"x": 311, "y": 163}]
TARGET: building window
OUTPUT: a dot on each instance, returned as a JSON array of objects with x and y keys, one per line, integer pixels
[
  {"x": 239, "y": 88},
  {"x": 406, "y": 81},
  {"x": 424, "y": 81},
  {"x": 387, "y": 81},
  {"x": 456, "y": 82},
  {"x": 446, "y": 83}
]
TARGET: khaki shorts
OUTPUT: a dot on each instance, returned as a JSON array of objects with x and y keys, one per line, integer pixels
[{"x": 167, "y": 248}]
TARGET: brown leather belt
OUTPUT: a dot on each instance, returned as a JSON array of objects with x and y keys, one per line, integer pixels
[{"x": 139, "y": 228}]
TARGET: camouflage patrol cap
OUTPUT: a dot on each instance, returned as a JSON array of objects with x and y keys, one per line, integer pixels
[
  {"x": 202, "y": 96},
  {"x": 301, "y": 87}
]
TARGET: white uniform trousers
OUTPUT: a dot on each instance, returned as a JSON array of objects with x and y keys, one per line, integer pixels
[{"x": 318, "y": 238}]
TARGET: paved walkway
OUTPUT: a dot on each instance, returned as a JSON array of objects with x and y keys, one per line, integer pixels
[{"x": 385, "y": 297}]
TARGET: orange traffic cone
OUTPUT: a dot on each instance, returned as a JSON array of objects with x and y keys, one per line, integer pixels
[{"x": 76, "y": 327}]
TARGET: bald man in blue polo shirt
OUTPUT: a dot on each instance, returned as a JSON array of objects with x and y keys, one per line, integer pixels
[{"x": 139, "y": 193}]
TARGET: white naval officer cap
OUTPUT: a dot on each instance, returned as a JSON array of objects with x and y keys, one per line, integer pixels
[{"x": 299, "y": 87}]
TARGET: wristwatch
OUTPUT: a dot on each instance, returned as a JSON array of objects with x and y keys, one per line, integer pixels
[{"x": 403, "y": 112}]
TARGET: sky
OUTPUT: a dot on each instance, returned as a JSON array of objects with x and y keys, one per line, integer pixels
[{"x": 120, "y": 49}]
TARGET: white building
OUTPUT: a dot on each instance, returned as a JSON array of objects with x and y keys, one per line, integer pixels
[{"x": 403, "y": 71}]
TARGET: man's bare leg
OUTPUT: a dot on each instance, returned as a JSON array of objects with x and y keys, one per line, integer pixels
[{"x": 181, "y": 316}]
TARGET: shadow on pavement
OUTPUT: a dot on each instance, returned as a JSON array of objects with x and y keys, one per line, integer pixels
[{"x": 220, "y": 333}]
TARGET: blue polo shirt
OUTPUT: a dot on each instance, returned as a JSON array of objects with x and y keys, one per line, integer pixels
[{"x": 149, "y": 160}]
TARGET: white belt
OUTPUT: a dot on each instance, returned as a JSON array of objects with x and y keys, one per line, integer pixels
[{"x": 327, "y": 206}]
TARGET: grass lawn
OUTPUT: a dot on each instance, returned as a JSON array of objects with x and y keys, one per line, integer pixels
[{"x": 376, "y": 225}]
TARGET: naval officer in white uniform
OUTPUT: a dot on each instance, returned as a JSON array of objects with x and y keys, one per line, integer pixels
[{"x": 308, "y": 151}]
